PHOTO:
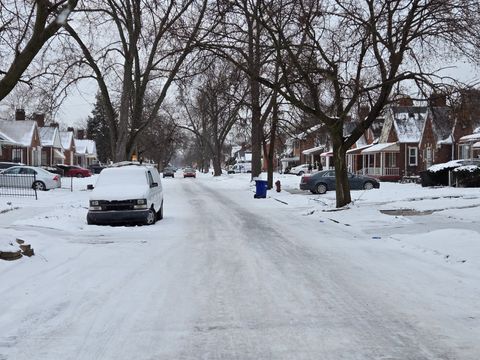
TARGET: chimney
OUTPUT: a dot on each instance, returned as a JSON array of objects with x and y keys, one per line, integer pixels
[
  {"x": 438, "y": 100},
  {"x": 405, "y": 101},
  {"x": 81, "y": 134},
  {"x": 70, "y": 129},
  {"x": 363, "y": 112},
  {"x": 19, "y": 114},
  {"x": 40, "y": 119}
]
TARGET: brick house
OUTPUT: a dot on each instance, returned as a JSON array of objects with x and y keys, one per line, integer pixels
[
  {"x": 52, "y": 150},
  {"x": 68, "y": 145},
  {"x": 21, "y": 140}
]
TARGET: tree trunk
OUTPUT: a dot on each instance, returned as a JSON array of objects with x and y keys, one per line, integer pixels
[
  {"x": 273, "y": 136},
  {"x": 339, "y": 159}
]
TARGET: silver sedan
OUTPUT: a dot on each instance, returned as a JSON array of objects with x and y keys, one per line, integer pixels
[{"x": 29, "y": 177}]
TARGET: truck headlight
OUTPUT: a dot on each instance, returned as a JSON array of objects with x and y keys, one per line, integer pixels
[
  {"x": 141, "y": 201},
  {"x": 94, "y": 203}
]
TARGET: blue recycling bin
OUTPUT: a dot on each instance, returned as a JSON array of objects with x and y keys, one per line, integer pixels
[{"x": 260, "y": 189}]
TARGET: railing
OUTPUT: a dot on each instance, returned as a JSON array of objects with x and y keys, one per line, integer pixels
[
  {"x": 376, "y": 171},
  {"x": 17, "y": 185}
]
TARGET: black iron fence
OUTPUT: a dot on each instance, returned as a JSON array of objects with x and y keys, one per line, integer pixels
[{"x": 17, "y": 185}]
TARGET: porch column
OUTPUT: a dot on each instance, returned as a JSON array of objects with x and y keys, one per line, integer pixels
[{"x": 382, "y": 160}]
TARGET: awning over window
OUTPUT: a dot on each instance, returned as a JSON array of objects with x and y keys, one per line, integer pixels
[
  {"x": 288, "y": 159},
  {"x": 476, "y": 145},
  {"x": 383, "y": 147},
  {"x": 58, "y": 154},
  {"x": 314, "y": 150},
  {"x": 326, "y": 154}
]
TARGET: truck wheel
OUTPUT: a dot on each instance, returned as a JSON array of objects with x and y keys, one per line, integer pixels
[{"x": 151, "y": 217}]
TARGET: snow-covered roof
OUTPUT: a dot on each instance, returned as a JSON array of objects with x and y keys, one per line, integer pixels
[
  {"x": 307, "y": 132},
  {"x": 313, "y": 150},
  {"x": 85, "y": 147},
  {"x": 359, "y": 149},
  {"x": 409, "y": 122},
  {"x": 476, "y": 145},
  {"x": 382, "y": 147},
  {"x": 49, "y": 136},
  {"x": 442, "y": 124},
  {"x": 6, "y": 140},
  {"x": 21, "y": 132},
  {"x": 471, "y": 137},
  {"x": 66, "y": 138}
]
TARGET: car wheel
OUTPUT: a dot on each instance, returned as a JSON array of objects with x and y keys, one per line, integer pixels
[
  {"x": 368, "y": 185},
  {"x": 321, "y": 188},
  {"x": 38, "y": 185},
  {"x": 160, "y": 213},
  {"x": 300, "y": 173},
  {"x": 151, "y": 217}
]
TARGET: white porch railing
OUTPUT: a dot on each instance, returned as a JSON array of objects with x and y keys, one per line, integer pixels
[{"x": 377, "y": 171}]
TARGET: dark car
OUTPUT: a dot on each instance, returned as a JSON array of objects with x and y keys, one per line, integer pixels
[
  {"x": 323, "y": 181},
  {"x": 74, "y": 171},
  {"x": 96, "y": 168},
  {"x": 169, "y": 171}
]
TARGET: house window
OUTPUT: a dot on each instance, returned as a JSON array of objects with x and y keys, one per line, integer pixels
[
  {"x": 429, "y": 156},
  {"x": 391, "y": 160},
  {"x": 17, "y": 155},
  {"x": 464, "y": 152},
  {"x": 412, "y": 156}
]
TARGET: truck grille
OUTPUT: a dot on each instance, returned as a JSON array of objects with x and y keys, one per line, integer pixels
[{"x": 117, "y": 205}]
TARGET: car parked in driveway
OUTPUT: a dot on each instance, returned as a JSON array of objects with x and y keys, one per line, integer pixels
[
  {"x": 74, "y": 171},
  {"x": 323, "y": 181},
  {"x": 126, "y": 194},
  {"x": 29, "y": 177},
  {"x": 189, "y": 172},
  {"x": 299, "y": 169}
]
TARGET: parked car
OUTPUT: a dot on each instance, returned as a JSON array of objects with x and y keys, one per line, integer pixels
[
  {"x": 6, "y": 164},
  {"x": 96, "y": 168},
  {"x": 126, "y": 194},
  {"x": 189, "y": 172},
  {"x": 74, "y": 171},
  {"x": 29, "y": 177},
  {"x": 299, "y": 170},
  {"x": 169, "y": 171},
  {"x": 323, "y": 181}
]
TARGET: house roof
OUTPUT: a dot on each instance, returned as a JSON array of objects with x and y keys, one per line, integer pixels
[
  {"x": 442, "y": 123},
  {"x": 66, "y": 138},
  {"x": 313, "y": 150},
  {"x": 85, "y": 147},
  {"x": 6, "y": 140},
  {"x": 49, "y": 136},
  {"x": 409, "y": 122},
  {"x": 359, "y": 149},
  {"x": 471, "y": 137},
  {"x": 21, "y": 132},
  {"x": 383, "y": 147}
]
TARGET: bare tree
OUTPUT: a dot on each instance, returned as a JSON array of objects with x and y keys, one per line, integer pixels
[
  {"x": 146, "y": 46},
  {"x": 334, "y": 55},
  {"x": 213, "y": 107},
  {"x": 25, "y": 28}
]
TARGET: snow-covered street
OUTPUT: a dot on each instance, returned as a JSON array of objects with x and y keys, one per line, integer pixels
[{"x": 227, "y": 276}]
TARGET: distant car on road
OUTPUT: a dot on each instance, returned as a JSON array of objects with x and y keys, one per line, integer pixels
[
  {"x": 29, "y": 177},
  {"x": 323, "y": 181},
  {"x": 169, "y": 171},
  {"x": 74, "y": 171},
  {"x": 189, "y": 172},
  {"x": 126, "y": 194}
]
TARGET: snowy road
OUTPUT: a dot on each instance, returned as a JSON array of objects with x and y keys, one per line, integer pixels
[{"x": 226, "y": 277}]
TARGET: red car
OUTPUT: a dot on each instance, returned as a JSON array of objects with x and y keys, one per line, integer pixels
[
  {"x": 74, "y": 171},
  {"x": 189, "y": 172}
]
